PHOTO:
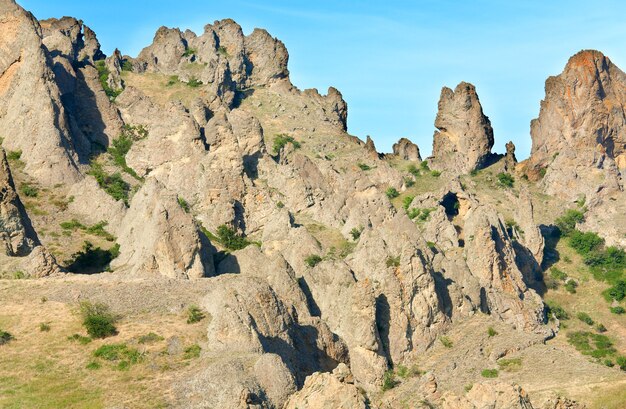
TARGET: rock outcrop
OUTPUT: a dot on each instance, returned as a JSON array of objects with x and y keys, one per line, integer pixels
[
  {"x": 407, "y": 150},
  {"x": 32, "y": 117},
  {"x": 490, "y": 395},
  {"x": 464, "y": 136},
  {"x": 579, "y": 138},
  {"x": 159, "y": 237},
  {"x": 17, "y": 236}
]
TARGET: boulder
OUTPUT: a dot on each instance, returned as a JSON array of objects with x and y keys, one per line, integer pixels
[{"x": 407, "y": 150}]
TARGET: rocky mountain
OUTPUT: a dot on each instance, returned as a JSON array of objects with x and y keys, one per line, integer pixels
[{"x": 314, "y": 271}]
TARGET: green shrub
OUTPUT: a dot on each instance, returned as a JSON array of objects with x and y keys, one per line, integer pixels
[
  {"x": 584, "y": 243},
  {"x": 616, "y": 292},
  {"x": 222, "y": 51},
  {"x": 413, "y": 170},
  {"x": 567, "y": 222},
  {"x": 393, "y": 261},
  {"x": 14, "y": 155},
  {"x": 570, "y": 286},
  {"x": 281, "y": 140},
  {"x": 98, "y": 320},
  {"x": 5, "y": 337},
  {"x": 510, "y": 365},
  {"x": 621, "y": 362},
  {"x": 364, "y": 167},
  {"x": 230, "y": 239},
  {"x": 173, "y": 80},
  {"x": 280, "y": 205},
  {"x": 92, "y": 259},
  {"x": 588, "y": 343},
  {"x": 446, "y": 342},
  {"x": 312, "y": 260},
  {"x": 409, "y": 182},
  {"x": 43, "y": 327},
  {"x": 617, "y": 310},
  {"x": 19, "y": 275},
  {"x": 413, "y": 213},
  {"x": 601, "y": 328},
  {"x": 491, "y": 332},
  {"x": 183, "y": 204},
  {"x": 608, "y": 363},
  {"x": 119, "y": 353},
  {"x": 554, "y": 309},
  {"x": 431, "y": 245},
  {"x": 93, "y": 365},
  {"x": 584, "y": 317},
  {"x": 192, "y": 351},
  {"x": 424, "y": 166},
  {"x": 392, "y": 192},
  {"x": 389, "y": 381},
  {"x": 194, "y": 82},
  {"x": 127, "y": 66},
  {"x": 113, "y": 184},
  {"x": 189, "y": 52},
  {"x": 150, "y": 338},
  {"x": 29, "y": 190},
  {"x": 435, "y": 173},
  {"x": 356, "y": 232},
  {"x": 505, "y": 180},
  {"x": 72, "y": 225},
  {"x": 194, "y": 314},
  {"x": 558, "y": 274},
  {"x": 489, "y": 373},
  {"x": 406, "y": 202},
  {"x": 103, "y": 76}
]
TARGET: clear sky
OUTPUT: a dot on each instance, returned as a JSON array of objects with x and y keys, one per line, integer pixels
[{"x": 391, "y": 58}]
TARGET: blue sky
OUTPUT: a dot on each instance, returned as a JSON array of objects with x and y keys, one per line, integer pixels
[{"x": 391, "y": 58}]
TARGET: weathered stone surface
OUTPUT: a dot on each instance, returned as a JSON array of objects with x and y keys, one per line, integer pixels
[
  {"x": 579, "y": 138},
  {"x": 464, "y": 136},
  {"x": 328, "y": 390},
  {"x": 510, "y": 161},
  {"x": 495, "y": 395},
  {"x": 159, "y": 237},
  {"x": 30, "y": 103},
  {"x": 407, "y": 150},
  {"x": 16, "y": 233}
]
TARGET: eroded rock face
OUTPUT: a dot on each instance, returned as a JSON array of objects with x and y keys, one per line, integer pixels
[
  {"x": 30, "y": 101},
  {"x": 495, "y": 395},
  {"x": 407, "y": 150},
  {"x": 328, "y": 390},
  {"x": 16, "y": 234},
  {"x": 464, "y": 136},
  {"x": 579, "y": 138},
  {"x": 159, "y": 237}
]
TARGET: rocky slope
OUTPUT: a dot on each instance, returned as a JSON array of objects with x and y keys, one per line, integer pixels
[{"x": 200, "y": 160}]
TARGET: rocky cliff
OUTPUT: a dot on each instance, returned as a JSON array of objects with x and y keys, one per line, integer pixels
[{"x": 323, "y": 266}]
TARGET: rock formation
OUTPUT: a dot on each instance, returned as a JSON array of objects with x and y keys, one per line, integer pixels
[
  {"x": 464, "y": 136},
  {"x": 16, "y": 233},
  {"x": 407, "y": 150},
  {"x": 579, "y": 138}
]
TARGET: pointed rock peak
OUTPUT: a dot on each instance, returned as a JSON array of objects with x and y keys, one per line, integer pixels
[
  {"x": 407, "y": 150},
  {"x": 589, "y": 59},
  {"x": 464, "y": 136},
  {"x": 370, "y": 147}
]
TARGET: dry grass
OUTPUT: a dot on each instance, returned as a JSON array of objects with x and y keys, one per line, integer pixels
[{"x": 46, "y": 370}]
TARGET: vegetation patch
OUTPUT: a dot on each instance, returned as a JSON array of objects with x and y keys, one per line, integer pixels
[
  {"x": 98, "y": 319},
  {"x": 589, "y": 343},
  {"x": 120, "y": 354},
  {"x": 95, "y": 230},
  {"x": 192, "y": 351},
  {"x": 5, "y": 337},
  {"x": 356, "y": 232},
  {"x": 389, "y": 381},
  {"x": 194, "y": 314},
  {"x": 554, "y": 310},
  {"x": 510, "y": 365},
  {"x": 446, "y": 342},
  {"x": 393, "y": 261},
  {"x": 392, "y": 192},
  {"x": 113, "y": 184},
  {"x": 183, "y": 204},
  {"x": 281, "y": 140},
  {"x": 567, "y": 222},
  {"x": 150, "y": 338},
  {"x": 312, "y": 260},
  {"x": 364, "y": 167},
  {"x": 489, "y": 373},
  {"x": 81, "y": 339},
  {"x": 194, "y": 82},
  {"x": 505, "y": 180},
  {"x": 103, "y": 75},
  {"x": 29, "y": 190}
]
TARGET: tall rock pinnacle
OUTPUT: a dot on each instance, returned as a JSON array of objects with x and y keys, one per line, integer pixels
[{"x": 464, "y": 137}]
